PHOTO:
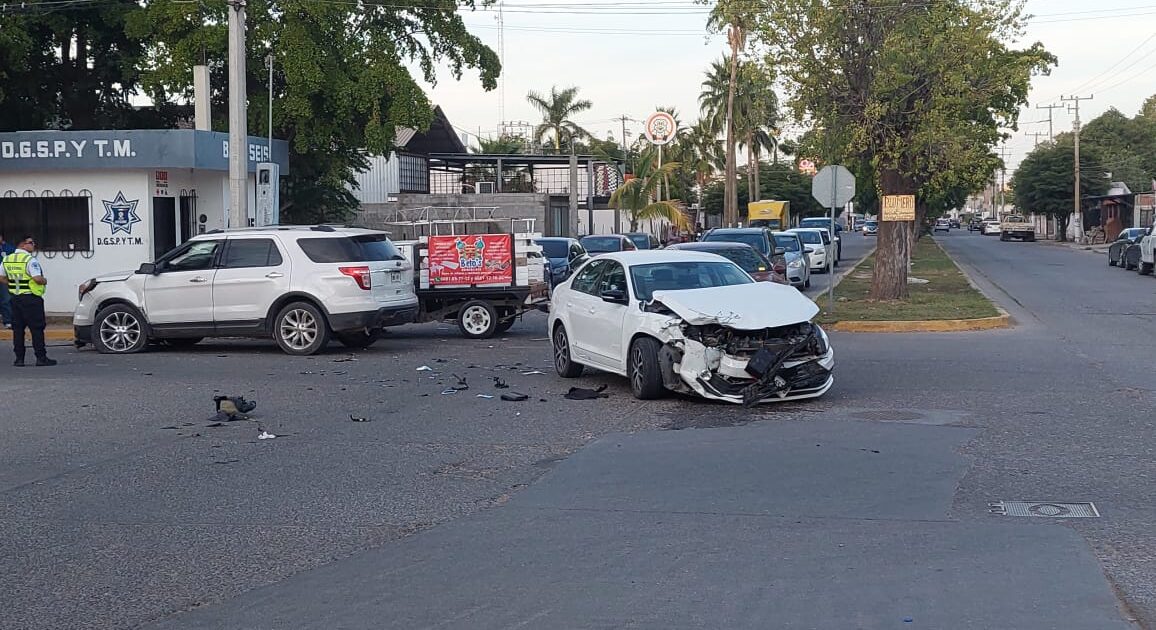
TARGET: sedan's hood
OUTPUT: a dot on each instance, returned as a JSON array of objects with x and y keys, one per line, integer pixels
[
  {"x": 115, "y": 276},
  {"x": 742, "y": 306}
]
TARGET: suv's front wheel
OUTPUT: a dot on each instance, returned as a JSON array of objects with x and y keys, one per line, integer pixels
[
  {"x": 119, "y": 329},
  {"x": 300, "y": 329}
]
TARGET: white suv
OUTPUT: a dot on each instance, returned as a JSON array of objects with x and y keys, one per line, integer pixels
[{"x": 298, "y": 284}]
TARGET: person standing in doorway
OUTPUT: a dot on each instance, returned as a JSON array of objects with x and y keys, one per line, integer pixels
[
  {"x": 6, "y": 248},
  {"x": 21, "y": 272}
]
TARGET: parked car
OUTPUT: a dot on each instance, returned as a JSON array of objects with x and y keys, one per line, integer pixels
[
  {"x": 746, "y": 257},
  {"x": 824, "y": 224},
  {"x": 870, "y": 228},
  {"x": 816, "y": 243},
  {"x": 596, "y": 244},
  {"x": 941, "y": 225},
  {"x": 991, "y": 227},
  {"x": 643, "y": 240},
  {"x": 798, "y": 260},
  {"x": 300, "y": 284},
  {"x": 563, "y": 255},
  {"x": 759, "y": 238},
  {"x": 689, "y": 322},
  {"x": 1128, "y": 238}
]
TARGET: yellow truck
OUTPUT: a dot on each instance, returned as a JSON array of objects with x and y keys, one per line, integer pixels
[{"x": 775, "y": 215}]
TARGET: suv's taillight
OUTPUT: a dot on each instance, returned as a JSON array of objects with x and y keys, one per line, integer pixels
[{"x": 360, "y": 274}]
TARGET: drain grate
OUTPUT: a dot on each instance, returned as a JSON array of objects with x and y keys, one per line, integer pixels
[
  {"x": 889, "y": 415},
  {"x": 1044, "y": 509}
]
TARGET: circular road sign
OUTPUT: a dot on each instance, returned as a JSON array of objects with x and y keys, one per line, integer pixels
[{"x": 660, "y": 128}]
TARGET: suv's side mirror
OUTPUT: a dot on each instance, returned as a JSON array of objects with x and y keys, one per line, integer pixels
[
  {"x": 614, "y": 296},
  {"x": 780, "y": 251},
  {"x": 149, "y": 268}
]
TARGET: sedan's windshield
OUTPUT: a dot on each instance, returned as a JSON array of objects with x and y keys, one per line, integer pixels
[
  {"x": 599, "y": 244},
  {"x": 754, "y": 239},
  {"x": 787, "y": 242},
  {"x": 810, "y": 238},
  {"x": 673, "y": 276},
  {"x": 555, "y": 249}
]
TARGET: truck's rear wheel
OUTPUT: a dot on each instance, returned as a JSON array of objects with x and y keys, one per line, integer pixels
[{"x": 478, "y": 319}]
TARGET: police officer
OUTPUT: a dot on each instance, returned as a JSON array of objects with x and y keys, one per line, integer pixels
[{"x": 21, "y": 271}]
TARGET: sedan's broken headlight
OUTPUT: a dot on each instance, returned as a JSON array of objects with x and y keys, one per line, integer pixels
[{"x": 822, "y": 344}]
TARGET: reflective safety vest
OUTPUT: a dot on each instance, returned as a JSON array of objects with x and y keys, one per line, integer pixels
[{"x": 16, "y": 268}]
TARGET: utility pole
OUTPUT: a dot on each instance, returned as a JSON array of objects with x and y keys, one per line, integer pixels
[
  {"x": 1036, "y": 135},
  {"x": 1078, "y": 218},
  {"x": 238, "y": 133},
  {"x": 1003, "y": 155},
  {"x": 1049, "y": 108}
]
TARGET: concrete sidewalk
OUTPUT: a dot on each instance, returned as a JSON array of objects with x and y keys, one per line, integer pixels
[{"x": 52, "y": 333}]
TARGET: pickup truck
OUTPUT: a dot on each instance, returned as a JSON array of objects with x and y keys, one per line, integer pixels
[{"x": 1015, "y": 226}]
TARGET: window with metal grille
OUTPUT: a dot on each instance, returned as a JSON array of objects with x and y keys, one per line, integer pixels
[
  {"x": 58, "y": 223},
  {"x": 413, "y": 173}
]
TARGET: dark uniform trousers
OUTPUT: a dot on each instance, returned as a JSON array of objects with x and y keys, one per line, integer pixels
[{"x": 28, "y": 313}]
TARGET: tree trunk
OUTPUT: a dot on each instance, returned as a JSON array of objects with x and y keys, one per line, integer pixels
[
  {"x": 920, "y": 216},
  {"x": 730, "y": 188},
  {"x": 752, "y": 192},
  {"x": 893, "y": 249},
  {"x": 757, "y": 158}
]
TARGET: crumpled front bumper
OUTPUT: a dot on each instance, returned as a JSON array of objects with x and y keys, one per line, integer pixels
[{"x": 795, "y": 379}]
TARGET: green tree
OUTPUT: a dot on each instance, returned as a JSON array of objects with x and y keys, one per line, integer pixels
[
  {"x": 74, "y": 69},
  {"x": 780, "y": 182},
  {"x": 636, "y": 197},
  {"x": 502, "y": 145},
  {"x": 557, "y": 108},
  {"x": 1044, "y": 180},
  {"x": 902, "y": 85},
  {"x": 342, "y": 86},
  {"x": 734, "y": 17},
  {"x": 1126, "y": 147}
]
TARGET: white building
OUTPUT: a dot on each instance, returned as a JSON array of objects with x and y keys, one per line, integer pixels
[{"x": 105, "y": 201}]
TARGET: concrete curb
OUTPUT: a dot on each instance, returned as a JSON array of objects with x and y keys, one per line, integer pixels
[
  {"x": 51, "y": 334},
  {"x": 1003, "y": 320}
]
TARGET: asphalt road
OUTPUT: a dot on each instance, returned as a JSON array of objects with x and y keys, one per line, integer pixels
[{"x": 867, "y": 508}]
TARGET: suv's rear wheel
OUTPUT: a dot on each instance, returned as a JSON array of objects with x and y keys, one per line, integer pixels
[
  {"x": 119, "y": 329},
  {"x": 300, "y": 329},
  {"x": 357, "y": 339}
]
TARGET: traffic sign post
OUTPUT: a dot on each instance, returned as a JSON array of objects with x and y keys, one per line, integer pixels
[
  {"x": 833, "y": 187},
  {"x": 660, "y": 129}
]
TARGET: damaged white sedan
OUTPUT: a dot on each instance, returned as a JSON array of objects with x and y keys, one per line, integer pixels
[{"x": 689, "y": 322}]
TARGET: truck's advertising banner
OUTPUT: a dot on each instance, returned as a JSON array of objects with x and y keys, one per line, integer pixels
[{"x": 471, "y": 259}]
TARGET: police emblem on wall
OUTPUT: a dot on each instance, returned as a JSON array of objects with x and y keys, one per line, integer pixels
[{"x": 120, "y": 214}]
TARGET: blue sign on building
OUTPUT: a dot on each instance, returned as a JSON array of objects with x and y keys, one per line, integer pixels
[{"x": 147, "y": 149}]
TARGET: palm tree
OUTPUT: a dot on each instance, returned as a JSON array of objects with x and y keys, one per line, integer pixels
[
  {"x": 556, "y": 109},
  {"x": 502, "y": 145},
  {"x": 636, "y": 196}
]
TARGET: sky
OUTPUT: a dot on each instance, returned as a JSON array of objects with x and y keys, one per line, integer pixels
[{"x": 629, "y": 57}]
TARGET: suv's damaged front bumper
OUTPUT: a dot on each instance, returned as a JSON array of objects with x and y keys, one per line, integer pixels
[{"x": 750, "y": 368}]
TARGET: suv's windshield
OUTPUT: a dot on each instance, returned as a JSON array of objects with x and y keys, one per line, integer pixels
[
  {"x": 359, "y": 248},
  {"x": 555, "y": 249},
  {"x": 602, "y": 244},
  {"x": 670, "y": 276},
  {"x": 641, "y": 241},
  {"x": 754, "y": 239},
  {"x": 787, "y": 242}
]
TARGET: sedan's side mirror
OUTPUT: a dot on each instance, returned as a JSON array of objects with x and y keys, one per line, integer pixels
[
  {"x": 148, "y": 268},
  {"x": 614, "y": 296}
]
